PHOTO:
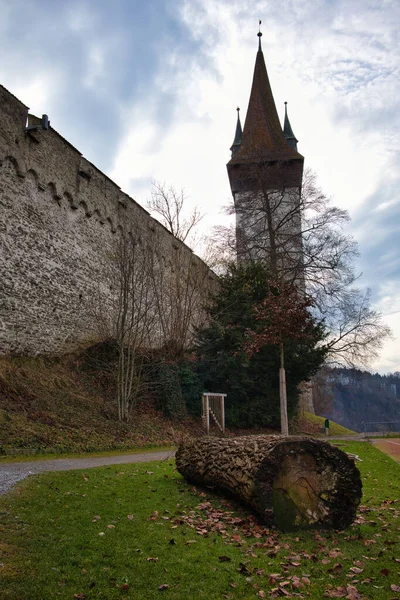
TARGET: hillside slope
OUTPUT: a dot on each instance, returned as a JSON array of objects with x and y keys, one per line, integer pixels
[
  {"x": 67, "y": 405},
  {"x": 52, "y": 405}
]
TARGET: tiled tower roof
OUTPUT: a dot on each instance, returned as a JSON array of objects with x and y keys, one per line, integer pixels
[{"x": 262, "y": 132}]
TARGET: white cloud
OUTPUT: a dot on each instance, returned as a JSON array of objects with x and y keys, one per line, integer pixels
[{"x": 335, "y": 62}]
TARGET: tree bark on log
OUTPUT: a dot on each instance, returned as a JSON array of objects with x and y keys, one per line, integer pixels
[{"x": 307, "y": 482}]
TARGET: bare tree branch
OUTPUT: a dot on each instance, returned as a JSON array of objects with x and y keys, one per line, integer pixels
[
  {"x": 168, "y": 206},
  {"x": 301, "y": 237}
]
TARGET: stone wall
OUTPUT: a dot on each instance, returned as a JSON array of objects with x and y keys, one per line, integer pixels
[{"x": 59, "y": 220}]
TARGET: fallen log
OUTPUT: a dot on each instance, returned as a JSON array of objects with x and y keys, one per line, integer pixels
[{"x": 307, "y": 482}]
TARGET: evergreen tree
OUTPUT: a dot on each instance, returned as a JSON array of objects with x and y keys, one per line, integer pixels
[{"x": 251, "y": 381}]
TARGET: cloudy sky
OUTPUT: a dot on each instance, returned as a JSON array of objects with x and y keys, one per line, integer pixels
[{"x": 147, "y": 90}]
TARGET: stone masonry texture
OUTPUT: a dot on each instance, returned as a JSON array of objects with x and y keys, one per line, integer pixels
[{"x": 59, "y": 217}]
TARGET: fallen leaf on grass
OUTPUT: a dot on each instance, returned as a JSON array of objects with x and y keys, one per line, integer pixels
[
  {"x": 163, "y": 586},
  {"x": 224, "y": 559},
  {"x": 130, "y": 517},
  {"x": 279, "y": 591},
  {"x": 335, "y": 553},
  {"x": 395, "y": 588},
  {"x": 349, "y": 592},
  {"x": 339, "y": 592},
  {"x": 243, "y": 569},
  {"x": 384, "y": 572},
  {"x": 336, "y": 569},
  {"x": 80, "y": 596},
  {"x": 353, "y": 593},
  {"x": 356, "y": 570},
  {"x": 152, "y": 559}
]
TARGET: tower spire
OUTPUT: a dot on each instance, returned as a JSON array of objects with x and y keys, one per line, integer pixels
[
  {"x": 264, "y": 169},
  {"x": 288, "y": 131},
  {"x": 262, "y": 132},
  {"x": 238, "y": 135}
]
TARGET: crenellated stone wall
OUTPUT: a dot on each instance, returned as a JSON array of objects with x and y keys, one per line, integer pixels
[{"x": 59, "y": 219}]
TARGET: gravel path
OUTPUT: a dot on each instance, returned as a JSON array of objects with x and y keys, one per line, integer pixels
[{"x": 11, "y": 473}]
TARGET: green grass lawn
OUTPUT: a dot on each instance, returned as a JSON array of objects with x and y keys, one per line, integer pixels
[
  {"x": 314, "y": 424},
  {"x": 140, "y": 532}
]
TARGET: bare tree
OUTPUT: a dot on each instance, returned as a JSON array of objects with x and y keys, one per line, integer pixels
[
  {"x": 301, "y": 237},
  {"x": 180, "y": 283},
  {"x": 180, "y": 293},
  {"x": 126, "y": 314},
  {"x": 158, "y": 295},
  {"x": 169, "y": 206}
]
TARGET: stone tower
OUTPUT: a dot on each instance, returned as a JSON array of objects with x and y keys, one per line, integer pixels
[{"x": 265, "y": 174}]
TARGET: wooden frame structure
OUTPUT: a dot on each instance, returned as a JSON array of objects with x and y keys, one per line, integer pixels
[{"x": 213, "y": 405}]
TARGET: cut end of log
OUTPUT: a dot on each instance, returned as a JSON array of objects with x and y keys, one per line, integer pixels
[
  {"x": 307, "y": 482},
  {"x": 317, "y": 486}
]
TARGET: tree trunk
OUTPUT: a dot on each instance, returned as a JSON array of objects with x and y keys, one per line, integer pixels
[
  {"x": 307, "y": 482},
  {"x": 282, "y": 393}
]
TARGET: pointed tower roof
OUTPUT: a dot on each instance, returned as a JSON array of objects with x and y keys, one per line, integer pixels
[
  {"x": 288, "y": 131},
  {"x": 238, "y": 135},
  {"x": 262, "y": 137}
]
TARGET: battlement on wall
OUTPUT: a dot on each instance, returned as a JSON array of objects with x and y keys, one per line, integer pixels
[
  {"x": 57, "y": 164},
  {"x": 60, "y": 217}
]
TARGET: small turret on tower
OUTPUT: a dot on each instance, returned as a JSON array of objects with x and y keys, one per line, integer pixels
[
  {"x": 288, "y": 132},
  {"x": 238, "y": 135}
]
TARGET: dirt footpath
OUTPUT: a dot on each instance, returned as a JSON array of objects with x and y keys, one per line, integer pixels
[
  {"x": 390, "y": 447},
  {"x": 11, "y": 473}
]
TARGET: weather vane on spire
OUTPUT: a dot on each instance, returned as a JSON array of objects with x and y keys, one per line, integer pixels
[{"x": 259, "y": 34}]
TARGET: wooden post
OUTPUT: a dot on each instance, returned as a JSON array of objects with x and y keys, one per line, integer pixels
[
  {"x": 222, "y": 404},
  {"x": 211, "y": 405},
  {"x": 282, "y": 395}
]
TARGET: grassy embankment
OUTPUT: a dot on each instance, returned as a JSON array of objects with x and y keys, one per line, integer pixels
[
  {"x": 59, "y": 406},
  {"x": 67, "y": 407},
  {"x": 140, "y": 532},
  {"x": 312, "y": 424}
]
